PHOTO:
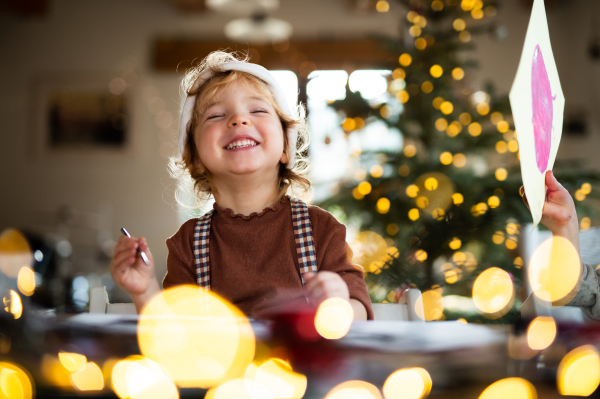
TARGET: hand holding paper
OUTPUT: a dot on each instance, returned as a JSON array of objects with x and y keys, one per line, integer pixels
[{"x": 537, "y": 103}]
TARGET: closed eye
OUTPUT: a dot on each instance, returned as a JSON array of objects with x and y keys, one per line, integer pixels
[
  {"x": 214, "y": 116},
  {"x": 259, "y": 111}
]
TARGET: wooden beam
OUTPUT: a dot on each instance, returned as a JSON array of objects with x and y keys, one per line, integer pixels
[{"x": 302, "y": 57}]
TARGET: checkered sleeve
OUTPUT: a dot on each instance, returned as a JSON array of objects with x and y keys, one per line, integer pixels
[
  {"x": 305, "y": 246},
  {"x": 201, "y": 250}
]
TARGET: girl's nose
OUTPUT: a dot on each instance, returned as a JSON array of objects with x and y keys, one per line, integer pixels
[{"x": 238, "y": 120}]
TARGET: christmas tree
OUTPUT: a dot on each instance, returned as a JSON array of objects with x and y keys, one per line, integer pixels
[{"x": 446, "y": 209}]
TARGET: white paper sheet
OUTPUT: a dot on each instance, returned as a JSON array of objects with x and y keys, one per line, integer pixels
[{"x": 537, "y": 103}]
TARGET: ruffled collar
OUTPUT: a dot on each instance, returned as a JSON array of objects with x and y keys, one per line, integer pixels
[{"x": 229, "y": 213}]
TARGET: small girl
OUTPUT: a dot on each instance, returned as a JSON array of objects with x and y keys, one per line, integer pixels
[{"x": 258, "y": 248}]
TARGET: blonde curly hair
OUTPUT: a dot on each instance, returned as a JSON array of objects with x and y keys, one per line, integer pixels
[{"x": 293, "y": 180}]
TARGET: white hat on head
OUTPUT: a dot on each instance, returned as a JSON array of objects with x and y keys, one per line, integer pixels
[{"x": 253, "y": 69}]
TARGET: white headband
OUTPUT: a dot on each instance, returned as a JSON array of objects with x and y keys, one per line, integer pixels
[{"x": 253, "y": 69}]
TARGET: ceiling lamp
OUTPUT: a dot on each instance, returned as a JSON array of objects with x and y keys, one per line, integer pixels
[
  {"x": 242, "y": 7},
  {"x": 259, "y": 29}
]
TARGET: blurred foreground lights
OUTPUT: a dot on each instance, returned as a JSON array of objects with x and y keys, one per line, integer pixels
[
  {"x": 239, "y": 389},
  {"x": 333, "y": 318},
  {"x": 12, "y": 304},
  {"x": 200, "y": 338},
  {"x": 26, "y": 281},
  {"x": 493, "y": 292},
  {"x": 579, "y": 372},
  {"x": 368, "y": 247},
  {"x": 513, "y": 388},
  {"x": 280, "y": 380},
  {"x": 139, "y": 378},
  {"x": 354, "y": 390},
  {"x": 433, "y": 305},
  {"x": 15, "y": 382},
  {"x": 554, "y": 270},
  {"x": 541, "y": 333},
  {"x": 89, "y": 378},
  {"x": 413, "y": 383},
  {"x": 72, "y": 362},
  {"x": 14, "y": 252}
]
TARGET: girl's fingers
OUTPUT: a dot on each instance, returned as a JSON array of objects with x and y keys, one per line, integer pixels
[{"x": 551, "y": 182}]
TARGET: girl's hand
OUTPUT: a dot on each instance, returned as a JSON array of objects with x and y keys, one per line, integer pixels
[
  {"x": 128, "y": 269},
  {"x": 324, "y": 285}
]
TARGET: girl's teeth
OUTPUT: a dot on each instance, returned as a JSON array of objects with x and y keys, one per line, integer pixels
[{"x": 241, "y": 143}]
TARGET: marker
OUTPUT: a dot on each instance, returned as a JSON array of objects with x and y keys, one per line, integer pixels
[{"x": 142, "y": 253}]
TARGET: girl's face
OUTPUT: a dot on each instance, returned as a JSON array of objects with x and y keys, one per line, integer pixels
[{"x": 239, "y": 133}]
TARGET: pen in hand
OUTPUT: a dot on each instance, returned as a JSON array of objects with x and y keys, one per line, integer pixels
[{"x": 142, "y": 253}]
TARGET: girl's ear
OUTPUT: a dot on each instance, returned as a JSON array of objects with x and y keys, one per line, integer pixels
[
  {"x": 284, "y": 159},
  {"x": 199, "y": 166}
]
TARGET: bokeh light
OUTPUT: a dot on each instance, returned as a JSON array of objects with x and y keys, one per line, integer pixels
[
  {"x": 459, "y": 160},
  {"x": 333, "y": 318},
  {"x": 89, "y": 378},
  {"x": 140, "y": 378},
  {"x": 405, "y": 60},
  {"x": 354, "y": 390},
  {"x": 493, "y": 292},
  {"x": 475, "y": 129},
  {"x": 513, "y": 388},
  {"x": 14, "y": 252},
  {"x": 435, "y": 190},
  {"x": 554, "y": 270},
  {"x": 15, "y": 382},
  {"x": 383, "y": 205},
  {"x": 26, "y": 281},
  {"x": 446, "y": 107},
  {"x": 455, "y": 243},
  {"x": 200, "y": 338},
  {"x": 433, "y": 305},
  {"x": 412, "y": 191},
  {"x": 72, "y": 362},
  {"x": 409, "y": 151},
  {"x": 413, "y": 214},
  {"x": 239, "y": 389},
  {"x": 368, "y": 248},
  {"x": 441, "y": 124},
  {"x": 370, "y": 83},
  {"x": 446, "y": 158},
  {"x": 459, "y": 24},
  {"x": 280, "y": 380},
  {"x": 411, "y": 383},
  {"x": 501, "y": 174},
  {"x": 458, "y": 73},
  {"x": 12, "y": 304},
  {"x": 465, "y": 118},
  {"x": 436, "y": 71},
  {"x": 457, "y": 198},
  {"x": 541, "y": 332},
  {"x": 579, "y": 372}
]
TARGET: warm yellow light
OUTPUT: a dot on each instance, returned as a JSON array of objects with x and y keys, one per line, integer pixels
[
  {"x": 368, "y": 247},
  {"x": 513, "y": 146},
  {"x": 405, "y": 60},
  {"x": 436, "y": 71},
  {"x": 437, "y": 5},
  {"x": 280, "y": 380},
  {"x": 452, "y": 276},
  {"x": 493, "y": 292},
  {"x": 498, "y": 237},
  {"x": 412, "y": 191},
  {"x": 483, "y": 108},
  {"x": 431, "y": 183},
  {"x": 354, "y": 390},
  {"x": 458, "y": 73},
  {"x": 14, "y": 252},
  {"x": 493, "y": 202},
  {"x": 459, "y": 24},
  {"x": 465, "y": 36},
  {"x": 446, "y": 107},
  {"x": 479, "y": 209},
  {"x": 455, "y": 243},
  {"x": 465, "y": 118},
  {"x": 398, "y": 74},
  {"x": 496, "y": 117},
  {"x": 579, "y": 372},
  {"x": 200, "y": 338},
  {"x": 238, "y": 389},
  {"x": 477, "y": 14},
  {"x": 541, "y": 333},
  {"x": 421, "y": 255},
  {"x": 403, "y": 96},
  {"x": 385, "y": 111},
  {"x": 475, "y": 129},
  {"x": 403, "y": 170},
  {"x": 457, "y": 198},
  {"x": 26, "y": 281},
  {"x": 459, "y": 160},
  {"x": 348, "y": 124},
  {"x": 501, "y": 147},
  {"x": 441, "y": 124},
  {"x": 433, "y": 305},
  {"x": 420, "y": 43},
  {"x": 333, "y": 318},
  {"x": 427, "y": 87},
  {"x": 414, "y": 31},
  {"x": 140, "y": 378},
  {"x": 12, "y": 304},
  {"x": 502, "y": 126},
  {"x": 585, "y": 223},
  {"x": 554, "y": 269},
  {"x": 364, "y": 188},
  {"x": 392, "y": 229},
  {"x": 72, "y": 362},
  {"x": 579, "y": 195},
  {"x": 511, "y": 243},
  {"x": 422, "y": 202},
  {"x": 359, "y": 174},
  {"x": 383, "y": 205},
  {"x": 513, "y": 388},
  {"x": 376, "y": 171},
  {"x": 356, "y": 194},
  {"x": 518, "y": 262},
  {"x": 409, "y": 151},
  {"x": 501, "y": 174},
  {"x": 382, "y": 6},
  {"x": 459, "y": 258},
  {"x": 411, "y": 16},
  {"x": 54, "y": 372},
  {"x": 15, "y": 382},
  {"x": 437, "y": 102},
  {"x": 89, "y": 378},
  {"x": 586, "y": 188},
  {"x": 446, "y": 158},
  {"x": 413, "y": 214},
  {"x": 438, "y": 213},
  {"x": 411, "y": 383}
]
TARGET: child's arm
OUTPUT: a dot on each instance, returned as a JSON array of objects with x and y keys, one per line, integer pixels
[
  {"x": 131, "y": 273},
  {"x": 325, "y": 284}
]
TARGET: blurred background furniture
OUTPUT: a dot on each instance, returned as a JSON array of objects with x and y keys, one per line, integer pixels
[
  {"x": 99, "y": 303},
  {"x": 409, "y": 308}
]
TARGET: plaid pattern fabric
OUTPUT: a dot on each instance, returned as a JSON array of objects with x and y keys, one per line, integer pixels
[
  {"x": 305, "y": 246},
  {"x": 201, "y": 235}
]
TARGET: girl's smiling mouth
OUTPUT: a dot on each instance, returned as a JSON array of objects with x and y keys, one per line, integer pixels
[{"x": 241, "y": 143}]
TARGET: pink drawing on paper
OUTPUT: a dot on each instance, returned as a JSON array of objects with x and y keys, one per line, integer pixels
[{"x": 542, "y": 109}]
